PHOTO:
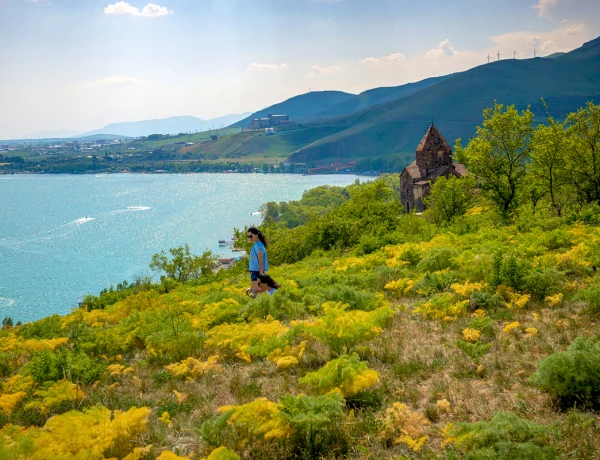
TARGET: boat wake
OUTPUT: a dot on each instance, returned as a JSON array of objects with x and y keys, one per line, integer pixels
[
  {"x": 81, "y": 220},
  {"x": 131, "y": 209},
  {"x": 5, "y": 302}
]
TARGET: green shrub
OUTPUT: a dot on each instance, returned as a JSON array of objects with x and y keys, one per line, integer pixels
[
  {"x": 45, "y": 328},
  {"x": 557, "y": 239},
  {"x": 315, "y": 420},
  {"x": 473, "y": 350},
  {"x": 51, "y": 366},
  {"x": 486, "y": 301},
  {"x": 541, "y": 282},
  {"x": 508, "y": 270},
  {"x": 505, "y": 436},
  {"x": 591, "y": 296},
  {"x": 435, "y": 282},
  {"x": 572, "y": 376},
  {"x": 438, "y": 258},
  {"x": 485, "y": 325}
]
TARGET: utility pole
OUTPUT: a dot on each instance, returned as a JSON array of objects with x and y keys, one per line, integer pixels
[
  {"x": 514, "y": 54},
  {"x": 498, "y": 54},
  {"x": 533, "y": 52},
  {"x": 488, "y": 58}
]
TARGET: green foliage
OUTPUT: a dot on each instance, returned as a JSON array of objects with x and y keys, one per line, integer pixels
[
  {"x": 498, "y": 155},
  {"x": 52, "y": 366},
  {"x": 183, "y": 265},
  {"x": 449, "y": 198},
  {"x": 572, "y": 376},
  {"x": 485, "y": 325},
  {"x": 486, "y": 301},
  {"x": 591, "y": 296},
  {"x": 473, "y": 350},
  {"x": 45, "y": 328},
  {"x": 438, "y": 258},
  {"x": 112, "y": 295},
  {"x": 346, "y": 375},
  {"x": 541, "y": 282},
  {"x": 505, "y": 436},
  {"x": 509, "y": 270},
  {"x": 315, "y": 420}
]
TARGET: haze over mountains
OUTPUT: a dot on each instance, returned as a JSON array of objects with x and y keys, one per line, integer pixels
[{"x": 387, "y": 121}]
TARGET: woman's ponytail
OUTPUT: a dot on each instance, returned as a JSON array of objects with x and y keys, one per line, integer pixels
[{"x": 261, "y": 237}]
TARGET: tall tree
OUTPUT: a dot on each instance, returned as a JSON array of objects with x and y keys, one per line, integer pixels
[
  {"x": 583, "y": 152},
  {"x": 449, "y": 198},
  {"x": 498, "y": 155},
  {"x": 548, "y": 169}
]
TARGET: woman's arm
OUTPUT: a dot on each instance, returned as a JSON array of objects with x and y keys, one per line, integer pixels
[{"x": 261, "y": 262}]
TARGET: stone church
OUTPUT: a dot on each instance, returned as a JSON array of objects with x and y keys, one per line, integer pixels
[{"x": 433, "y": 159}]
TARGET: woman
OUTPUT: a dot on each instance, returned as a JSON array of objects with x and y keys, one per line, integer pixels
[{"x": 259, "y": 263}]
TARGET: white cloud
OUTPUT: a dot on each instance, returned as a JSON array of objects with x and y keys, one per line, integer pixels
[
  {"x": 543, "y": 7},
  {"x": 575, "y": 29},
  {"x": 113, "y": 81},
  {"x": 330, "y": 70},
  {"x": 444, "y": 49},
  {"x": 394, "y": 57},
  {"x": 256, "y": 67},
  {"x": 149, "y": 11}
]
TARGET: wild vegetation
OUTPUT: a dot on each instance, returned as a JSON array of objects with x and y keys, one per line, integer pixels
[{"x": 468, "y": 334}]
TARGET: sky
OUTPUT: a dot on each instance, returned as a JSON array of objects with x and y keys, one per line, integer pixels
[{"x": 82, "y": 64}]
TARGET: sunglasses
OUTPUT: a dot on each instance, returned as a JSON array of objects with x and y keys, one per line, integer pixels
[{"x": 250, "y": 235}]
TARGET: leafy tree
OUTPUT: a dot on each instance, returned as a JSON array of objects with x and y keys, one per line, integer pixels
[
  {"x": 449, "y": 198},
  {"x": 583, "y": 152},
  {"x": 498, "y": 154},
  {"x": 549, "y": 162},
  {"x": 183, "y": 265}
]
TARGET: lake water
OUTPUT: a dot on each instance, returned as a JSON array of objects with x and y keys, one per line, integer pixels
[{"x": 62, "y": 237}]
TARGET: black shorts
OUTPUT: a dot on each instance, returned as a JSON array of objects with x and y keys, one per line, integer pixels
[{"x": 254, "y": 276}]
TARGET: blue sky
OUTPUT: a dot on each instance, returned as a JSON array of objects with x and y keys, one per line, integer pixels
[{"x": 81, "y": 64}]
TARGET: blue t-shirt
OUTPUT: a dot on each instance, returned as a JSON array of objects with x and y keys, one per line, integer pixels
[{"x": 254, "y": 266}]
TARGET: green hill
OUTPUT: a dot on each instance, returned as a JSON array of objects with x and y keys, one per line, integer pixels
[{"x": 455, "y": 104}]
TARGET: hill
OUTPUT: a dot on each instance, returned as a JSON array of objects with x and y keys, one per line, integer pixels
[
  {"x": 472, "y": 341},
  {"x": 566, "y": 82},
  {"x": 171, "y": 125},
  {"x": 301, "y": 108}
]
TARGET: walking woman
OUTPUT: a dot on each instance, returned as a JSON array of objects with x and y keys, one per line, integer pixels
[{"x": 259, "y": 263}]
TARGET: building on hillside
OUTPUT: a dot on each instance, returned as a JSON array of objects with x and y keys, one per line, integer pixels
[
  {"x": 272, "y": 121},
  {"x": 433, "y": 159}
]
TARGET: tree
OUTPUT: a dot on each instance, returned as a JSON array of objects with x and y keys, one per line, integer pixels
[
  {"x": 583, "y": 151},
  {"x": 498, "y": 154},
  {"x": 449, "y": 198},
  {"x": 548, "y": 170},
  {"x": 183, "y": 266}
]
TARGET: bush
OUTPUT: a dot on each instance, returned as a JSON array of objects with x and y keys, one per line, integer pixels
[
  {"x": 437, "y": 259},
  {"x": 572, "y": 376},
  {"x": 473, "y": 350},
  {"x": 505, "y": 436},
  {"x": 591, "y": 296},
  {"x": 541, "y": 282},
  {"x": 315, "y": 421},
  {"x": 486, "y": 301},
  {"x": 183, "y": 265},
  {"x": 46, "y": 328},
  {"x": 51, "y": 366},
  {"x": 508, "y": 270}
]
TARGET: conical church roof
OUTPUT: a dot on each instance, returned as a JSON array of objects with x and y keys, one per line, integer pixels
[{"x": 433, "y": 141}]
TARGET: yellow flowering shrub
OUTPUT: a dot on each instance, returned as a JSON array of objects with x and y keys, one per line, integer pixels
[
  {"x": 58, "y": 392},
  {"x": 442, "y": 306},
  {"x": 8, "y": 402},
  {"x": 443, "y": 405},
  {"x": 401, "y": 287},
  {"x": 255, "y": 339},
  {"x": 479, "y": 313},
  {"x": 510, "y": 326},
  {"x": 139, "y": 453},
  {"x": 165, "y": 418},
  {"x": 346, "y": 375},
  {"x": 289, "y": 357},
  {"x": 343, "y": 330},
  {"x": 554, "y": 300},
  {"x": 168, "y": 455},
  {"x": 194, "y": 367},
  {"x": 404, "y": 426},
  {"x": 87, "y": 434},
  {"x": 465, "y": 290},
  {"x": 518, "y": 301},
  {"x": 215, "y": 312},
  {"x": 17, "y": 383},
  {"x": 260, "y": 417},
  {"x": 222, "y": 453},
  {"x": 530, "y": 331},
  {"x": 471, "y": 335}
]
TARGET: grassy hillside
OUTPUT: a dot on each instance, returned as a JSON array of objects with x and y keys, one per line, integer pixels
[
  {"x": 256, "y": 145},
  {"x": 455, "y": 104},
  {"x": 477, "y": 340},
  {"x": 301, "y": 108}
]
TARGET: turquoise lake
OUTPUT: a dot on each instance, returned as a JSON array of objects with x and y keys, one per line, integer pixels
[{"x": 62, "y": 237}]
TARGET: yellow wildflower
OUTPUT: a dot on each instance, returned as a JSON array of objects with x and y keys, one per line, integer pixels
[
  {"x": 536, "y": 316},
  {"x": 554, "y": 300},
  {"x": 8, "y": 402},
  {"x": 180, "y": 397},
  {"x": 479, "y": 313},
  {"x": 443, "y": 405},
  {"x": 509, "y": 327},
  {"x": 471, "y": 335},
  {"x": 562, "y": 323},
  {"x": 168, "y": 455},
  {"x": 165, "y": 418},
  {"x": 530, "y": 331}
]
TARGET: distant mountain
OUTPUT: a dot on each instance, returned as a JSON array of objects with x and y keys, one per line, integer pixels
[
  {"x": 319, "y": 105},
  {"x": 172, "y": 125},
  {"x": 53, "y": 134},
  {"x": 456, "y": 103}
]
